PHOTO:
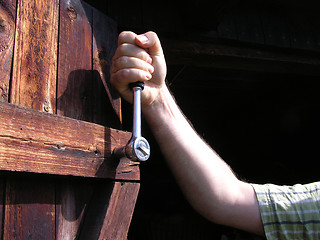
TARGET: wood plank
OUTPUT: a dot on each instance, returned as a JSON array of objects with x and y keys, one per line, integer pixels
[
  {"x": 30, "y": 202},
  {"x": 2, "y": 204},
  {"x": 46, "y": 143},
  {"x": 7, "y": 30},
  {"x": 72, "y": 199},
  {"x": 110, "y": 213},
  {"x": 105, "y": 35},
  {"x": 120, "y": 210},
  {"x": 205, "y": 54},
  {"x": 75, "y": 88},
  {"x": 35, "y": 55},
  {"x": 29, "y": 210}
]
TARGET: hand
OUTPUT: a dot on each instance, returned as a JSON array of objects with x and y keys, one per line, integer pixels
[{"x": 139, "y": 58}]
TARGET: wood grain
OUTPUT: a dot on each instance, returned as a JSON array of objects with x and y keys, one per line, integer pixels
[
  {"x": 7, "y": 30},
  {"x": 35, "y": 55},
  {"x": 74, "y": 90},
  {"x": 121, "y": 206},
  {"x": 30, "y": 203},
  {"x": 46, "y": 143},
  {"x": 29, "y": 209},
  {"x": 105, "y": 37}
]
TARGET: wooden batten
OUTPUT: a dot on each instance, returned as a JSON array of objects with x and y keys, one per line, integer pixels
[
  {"x": 31, "y": 141},
  {"x": 59, "y": 115}
]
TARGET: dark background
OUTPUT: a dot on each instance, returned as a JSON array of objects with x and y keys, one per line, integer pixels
[{"x": 246, "y": 73}]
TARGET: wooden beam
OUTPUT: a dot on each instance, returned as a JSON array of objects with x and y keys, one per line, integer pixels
[
  {"x": 110, "y": 211},
  {"x": 32, "y": 141},
  {"x": 213, "y": 55}
]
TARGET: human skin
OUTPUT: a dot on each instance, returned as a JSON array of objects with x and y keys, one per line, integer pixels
[{"x": 207, "y": 181}]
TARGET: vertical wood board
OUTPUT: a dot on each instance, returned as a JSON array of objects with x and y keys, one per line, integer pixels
[
  {"x": 105, "y": 37},
  {"x": 72, "y": 202},
  {"x": 30, "y": 203},
  {"x": 35, "y": 55},
  {"x": 74, "y": 90},
  {"x": 7, "y": 30},
  {"x": 29, "y": 209}
]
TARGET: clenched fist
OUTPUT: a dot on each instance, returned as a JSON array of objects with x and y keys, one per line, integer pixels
[{"x": 139, "y": 58}]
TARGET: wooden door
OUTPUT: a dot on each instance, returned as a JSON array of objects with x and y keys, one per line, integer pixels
[{"x": 59, "y": 115}]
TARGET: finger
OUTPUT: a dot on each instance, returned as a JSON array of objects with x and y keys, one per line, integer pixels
[
  {"x": 131, "y": 50},
  {"x": 131, "y": 62},
  {"x": 126, "y": 37},
  {"x": 151, "y": 42},
  {"x": 123, "y": 77}
]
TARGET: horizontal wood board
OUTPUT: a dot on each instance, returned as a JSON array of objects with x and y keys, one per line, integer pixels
[{"x": 31, "y": 141}]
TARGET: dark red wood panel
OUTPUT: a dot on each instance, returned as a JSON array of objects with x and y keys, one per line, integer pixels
[
  {"x": 60, "y": 64},
  {"x": 7, "y": 30},
  {"x": 110, "y": 211},
  {"x": 72, "y": 200},
  {"x": 107, "y": 102},
  {"x": 29, "y": 209},
  {"x": 74, "y": 90},
  {"x": 30, "y": 202}
]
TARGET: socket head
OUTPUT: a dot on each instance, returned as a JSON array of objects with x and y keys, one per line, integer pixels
[{"x": 141, "y": 149}]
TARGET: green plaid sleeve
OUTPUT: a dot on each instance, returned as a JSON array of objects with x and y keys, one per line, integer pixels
[{"x": 290, "y": 212}]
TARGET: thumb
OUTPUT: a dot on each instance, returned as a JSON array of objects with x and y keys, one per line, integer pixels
[{"x": 150, "y": 41}]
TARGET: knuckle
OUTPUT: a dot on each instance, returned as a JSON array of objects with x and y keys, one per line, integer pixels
[
  {"x": 122, "y": 49},
  {"x": 153, "y": 34},
  {"x": 126, "y": 36},
  {"x": 143, "y": 55},
  {"x": 123, "y": 73}
]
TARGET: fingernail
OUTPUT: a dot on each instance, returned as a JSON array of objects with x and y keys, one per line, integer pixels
[
  {"x": 148, "y": 76},
  {"x": 149, "y": 60},
  {"x": 150, "y": 69},
  {"x": 142, "y": 38}
]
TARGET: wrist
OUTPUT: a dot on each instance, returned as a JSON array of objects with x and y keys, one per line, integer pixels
[{"x": 163, "y": 112}]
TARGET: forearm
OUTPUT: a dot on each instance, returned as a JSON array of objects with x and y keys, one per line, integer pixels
[{"x": 207, "y": 181}]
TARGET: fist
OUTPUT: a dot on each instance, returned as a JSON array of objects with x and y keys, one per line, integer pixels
[{"x": 138, "y": 58}]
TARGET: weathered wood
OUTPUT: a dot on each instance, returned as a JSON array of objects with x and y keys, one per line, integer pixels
[
  {"x": 75, "y": 88},
  {"x": 120, "y": 209},
  {"x": 30, "y": 204},
  {"x": 84, "y": 92},
  {"x": 105, "y": 36},
  {"x": 2, "y": 204},
  {"x": 35, "y": 55},
  {"x": 110, "y": 213},
  {"x": 72, "y": 201},
  {"x": 29, "y": 210},
  {"x": 31, "y": 141},
  {"x": 46, "y": 143},
  {"x": 7, "y": 29}
]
